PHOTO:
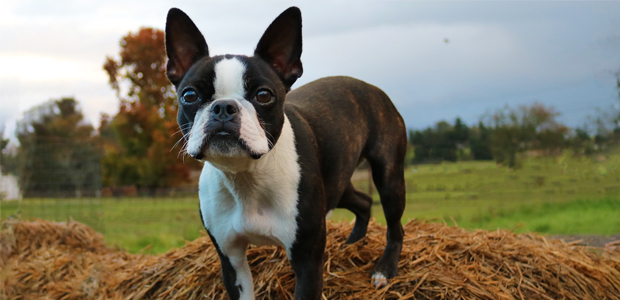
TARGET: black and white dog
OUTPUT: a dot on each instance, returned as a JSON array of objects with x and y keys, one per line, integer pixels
[{"x": 276, "y": 161}]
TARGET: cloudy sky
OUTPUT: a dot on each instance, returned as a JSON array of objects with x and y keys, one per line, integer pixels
[{"x": 437, "y": 60}]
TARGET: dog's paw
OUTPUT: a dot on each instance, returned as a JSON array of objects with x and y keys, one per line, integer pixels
[{"x": 379, "y": 280}]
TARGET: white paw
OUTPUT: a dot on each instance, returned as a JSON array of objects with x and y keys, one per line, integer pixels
[{"x": 379, "y": 280}]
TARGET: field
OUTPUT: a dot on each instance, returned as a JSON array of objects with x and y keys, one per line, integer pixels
[
  {"x": 555, "y": 195},
  {"x": 551, "y": 195}
]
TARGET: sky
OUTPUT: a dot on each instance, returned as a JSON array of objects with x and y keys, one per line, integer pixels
[{"x": 435, "y": 59}]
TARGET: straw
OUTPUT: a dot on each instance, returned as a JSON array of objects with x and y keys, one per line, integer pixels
[{"x": 48, "y": 260}]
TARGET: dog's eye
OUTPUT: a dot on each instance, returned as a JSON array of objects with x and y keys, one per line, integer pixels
[
  {"x": 264, "y": 96},
  {"x": 190, "y": 96}
]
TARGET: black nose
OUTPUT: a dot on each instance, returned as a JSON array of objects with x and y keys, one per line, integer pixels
[{"x": 224, "y": 110}]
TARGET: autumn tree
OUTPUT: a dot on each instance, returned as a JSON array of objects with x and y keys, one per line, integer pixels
[
  {"x": 58, "y": 155},
  {"x": 139, "y": 139}
]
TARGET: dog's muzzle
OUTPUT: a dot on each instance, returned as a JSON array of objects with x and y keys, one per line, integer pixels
[{"x": 222, "y": 127}]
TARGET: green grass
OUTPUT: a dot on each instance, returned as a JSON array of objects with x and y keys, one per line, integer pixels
[
  {"x": 593, "y": 216},
  {"x": 599, "y": 216},
  {"x": 553, "y": 195}
]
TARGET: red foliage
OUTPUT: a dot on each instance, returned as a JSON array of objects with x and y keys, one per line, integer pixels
[{"x": 140, "y": 138}]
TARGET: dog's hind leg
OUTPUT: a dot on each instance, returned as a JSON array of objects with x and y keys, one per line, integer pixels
[
  {"x": 388, "y": 176},
  {"x": 359, "y": 204}
]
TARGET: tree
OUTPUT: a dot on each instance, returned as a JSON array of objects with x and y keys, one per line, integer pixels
[
  {"x": 439, "y": 143},
  {"x": 58, "y": 155},
  {"x": 460, "y": 137},
  {"x": 3, "y": 142},
  {"x": 607, "y": 124},
  {"x": 139, "y": 139},
  {"x": 460, "y": 133},
  {"x": 8, "y": 159},
  {"x": 526, "y": 128},
  {"x": 480, "y": 142},
  {"x": 582, "y": 142}
]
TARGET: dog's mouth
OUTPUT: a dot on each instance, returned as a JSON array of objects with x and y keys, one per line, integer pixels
[
  {"x": 222, "y": 133},
  {"x": 225, "y": 142}
]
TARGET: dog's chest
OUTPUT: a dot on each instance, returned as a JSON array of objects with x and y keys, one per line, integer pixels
[
  {"x": 262, "y": 216},
  {"x": 258, "y": 207}
]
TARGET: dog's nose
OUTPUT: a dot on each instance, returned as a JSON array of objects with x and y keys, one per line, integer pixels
[{"x": 224, "y": 110}]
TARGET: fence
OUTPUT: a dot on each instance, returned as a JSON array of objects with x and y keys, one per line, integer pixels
[
  {"x": 60, "y": 167},
  {"x": 61, "y": 179}
]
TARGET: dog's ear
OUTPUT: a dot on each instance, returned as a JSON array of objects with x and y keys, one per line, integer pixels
[
  {"x": 184, "y": 45},
  {"x": 280, "y": 46}
]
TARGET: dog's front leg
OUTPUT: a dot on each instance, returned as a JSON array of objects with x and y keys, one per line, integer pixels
[
  {"x": 236, "y": 271},
  {"x": 306, "y": 257}
]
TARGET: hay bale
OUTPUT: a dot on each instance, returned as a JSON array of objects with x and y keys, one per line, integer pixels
[{"x": 49, "y": 260}]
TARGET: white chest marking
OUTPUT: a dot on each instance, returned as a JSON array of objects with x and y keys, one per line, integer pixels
[{"x": 258, "y": 206}]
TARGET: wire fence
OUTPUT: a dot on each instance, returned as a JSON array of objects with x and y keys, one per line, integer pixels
[
  {"x": 175, "y": 209},
  {"x": 54, "y": 178},
  {"x": 60, "y": 179},
  {"x": 60, "y": 167}
]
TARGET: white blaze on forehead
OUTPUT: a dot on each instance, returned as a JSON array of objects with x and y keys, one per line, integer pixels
[{"x": 228, "y": 81}]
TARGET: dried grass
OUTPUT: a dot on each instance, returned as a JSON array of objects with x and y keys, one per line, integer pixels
[{"x": 47, "y": 260}]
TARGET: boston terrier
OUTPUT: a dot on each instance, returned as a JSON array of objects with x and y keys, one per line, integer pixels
[{"x": 276, "y": 161}]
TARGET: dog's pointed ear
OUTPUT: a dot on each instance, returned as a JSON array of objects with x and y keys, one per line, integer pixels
[
  {"x": 184, "y": 45},
  {"x": 281, "y": 46}
]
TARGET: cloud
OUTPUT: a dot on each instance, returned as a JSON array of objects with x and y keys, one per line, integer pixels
[{"x": 497, "y": 52}]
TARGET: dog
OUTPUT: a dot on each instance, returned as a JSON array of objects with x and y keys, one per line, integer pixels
[{"x": 277, "y": 161}]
